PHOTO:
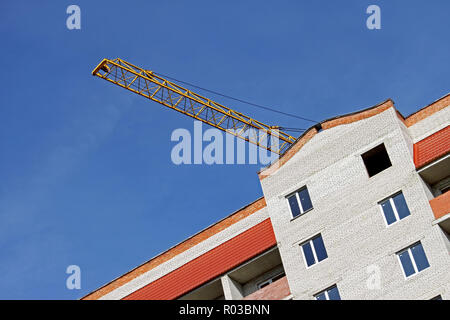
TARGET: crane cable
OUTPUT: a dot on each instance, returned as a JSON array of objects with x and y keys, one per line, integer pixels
[{"x": 243, "y": 101}]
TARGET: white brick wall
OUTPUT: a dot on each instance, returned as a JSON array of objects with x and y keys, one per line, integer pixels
[
  {"x": 430, "y": 125},
  {"x": 347, "y": 214}
]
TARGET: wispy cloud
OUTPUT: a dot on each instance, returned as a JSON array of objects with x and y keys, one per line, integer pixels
[{"x": 23, "y": 230}]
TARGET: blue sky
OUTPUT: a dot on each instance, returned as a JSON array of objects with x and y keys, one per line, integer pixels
[{"x": 85, "y": 168}]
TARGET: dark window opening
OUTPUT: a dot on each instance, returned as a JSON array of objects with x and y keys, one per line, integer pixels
[
  {"x": 376, "y": 160},
  {"x": 270, "y": 280},
  {"x": 445, "y": 189}
]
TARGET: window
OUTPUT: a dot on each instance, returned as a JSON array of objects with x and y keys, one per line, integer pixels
[
  {"x": 413, "y": 259},
  {"x": 300, "y": 202},
  {"x": 314, "y": 250},
  {"x": 394, "y": 208},
  {"x": 331, "y": 293},
  {"x": 376, "y": 160},
  {"x": 269, "y": 281}
]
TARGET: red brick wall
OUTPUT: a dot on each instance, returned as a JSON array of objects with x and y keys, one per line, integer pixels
[
  {"x": 183, "y": 246},
  {"x": 275, "y": 291},
  {"x": 210, "y": 265},
  {"x": 428, "y": 110},
  {"x": 432, "y": 147},
  {"x": 441, "y": 205}
]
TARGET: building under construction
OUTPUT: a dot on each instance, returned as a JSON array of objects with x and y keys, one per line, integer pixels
[{"x": 358, "y": 207}]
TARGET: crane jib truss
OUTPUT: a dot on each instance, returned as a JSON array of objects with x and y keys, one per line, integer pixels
[{"x": 150, "y": 85}]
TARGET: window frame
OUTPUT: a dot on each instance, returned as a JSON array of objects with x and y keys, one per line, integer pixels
[
  {"x": 313, "y": 249},
  {"x": 325, "y": 291},
  {"x": 299, "y": 203},
  {"x": 394, "y": 208},
  {"x": 413, "y": 261}
]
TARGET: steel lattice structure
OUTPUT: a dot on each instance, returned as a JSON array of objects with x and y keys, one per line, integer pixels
[{"x": 150, "y": 85}]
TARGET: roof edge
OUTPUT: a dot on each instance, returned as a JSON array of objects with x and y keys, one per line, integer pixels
[
  {"x": 177, "y": 249},
  {"x": 348, "y": 118},
  {"x": 427, "y": 111},
  {"x": 324, "y": 125}
]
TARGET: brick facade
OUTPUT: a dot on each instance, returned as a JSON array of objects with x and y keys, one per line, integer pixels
[{"x": 326, "y": 159}]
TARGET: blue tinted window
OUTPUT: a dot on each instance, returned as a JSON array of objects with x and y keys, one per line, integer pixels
[
  {"x": 329, "y": 294},
  {"x": 401, "y": 206},
  {"x": 321, "y": 296},
  {"x": 307, "y": 250},
  {"x": 419, "y": 257},
  {"x": 321, "y": 253},
  {"x": 295, "y": 209},
  {"x": 333, "y": 293},
  {"x": 305, "y": 199},
  {"x": 406, "y": 263},
  {"x": 388, "y": 212}
]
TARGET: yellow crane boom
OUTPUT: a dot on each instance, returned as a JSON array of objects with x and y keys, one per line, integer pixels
[{"x": 148, "y": 84}]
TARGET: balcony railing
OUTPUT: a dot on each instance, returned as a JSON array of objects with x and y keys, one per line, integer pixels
[
  {"x": 441, "y": 205},
  {"x": 277, "y": 290}
]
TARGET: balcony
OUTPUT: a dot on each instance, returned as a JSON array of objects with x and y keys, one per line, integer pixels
[
  {"x": 436, "y": 171},
  {"x": 432, "y": 160},
  {"x": 257, "y": 275},
  {"x": 441, "y": 209},
  {"x": 260, "y": 278},
  {"x": 277, "y": 290},
  {"x": 210, "y": 291}
]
